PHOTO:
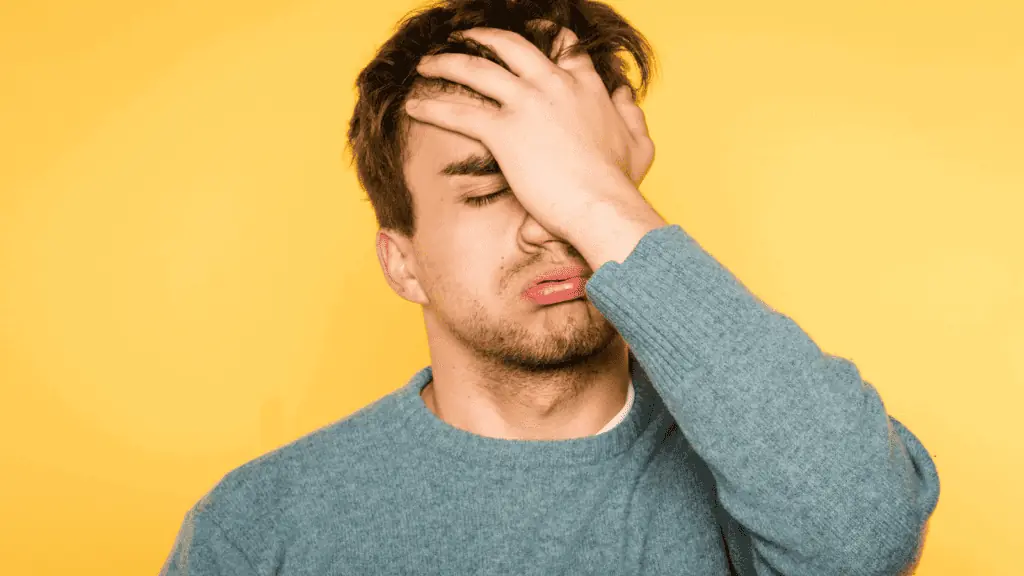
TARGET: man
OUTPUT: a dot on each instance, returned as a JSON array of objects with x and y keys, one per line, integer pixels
[{"x": 603, "y": 396}]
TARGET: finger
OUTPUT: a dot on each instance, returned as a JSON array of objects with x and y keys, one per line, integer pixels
[
  {"x": 470, "y": 120},
  {"x": 579, "y": 65},
  {"x": 522, "y": 57},
  {"x": 632, "y": 114},
  {"x": 480, "y": 74},
  {"x": 642, "y": 148}
]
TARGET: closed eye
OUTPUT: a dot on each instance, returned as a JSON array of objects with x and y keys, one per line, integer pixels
[{"x": 484, "y": 200}]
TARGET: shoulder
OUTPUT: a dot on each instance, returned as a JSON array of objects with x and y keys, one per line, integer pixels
[{"x": 300, "y": 477}]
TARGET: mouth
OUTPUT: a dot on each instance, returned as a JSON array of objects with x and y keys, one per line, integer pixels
[
  {"x": 555, "y": 281},
  {"x": 565, "y": 274},
  {"x": 552, "y": 291}
]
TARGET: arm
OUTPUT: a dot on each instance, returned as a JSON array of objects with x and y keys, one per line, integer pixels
[
  {"x": 814, "y": 475},
  {"x": 203, "y": 549},
  {"x": 917, "y": 557}
]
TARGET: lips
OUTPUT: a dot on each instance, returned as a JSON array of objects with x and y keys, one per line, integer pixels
[{"x": 558, "y": 274}]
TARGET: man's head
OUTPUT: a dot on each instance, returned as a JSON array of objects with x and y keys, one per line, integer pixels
[{"x": 467, "y": 260}]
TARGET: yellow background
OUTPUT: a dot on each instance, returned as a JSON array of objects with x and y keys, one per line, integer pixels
[{"x": 188, "y": 276}]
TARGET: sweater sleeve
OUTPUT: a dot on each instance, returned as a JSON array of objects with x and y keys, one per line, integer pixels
[
  {"x": 811, "y": 474},
  {"x": 203, "y": 549}
]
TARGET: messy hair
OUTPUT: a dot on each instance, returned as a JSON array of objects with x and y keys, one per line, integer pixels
[{"x": 378, "y": 129}]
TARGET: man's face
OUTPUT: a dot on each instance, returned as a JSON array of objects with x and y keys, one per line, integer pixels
[{"x": 473, "y": 263}]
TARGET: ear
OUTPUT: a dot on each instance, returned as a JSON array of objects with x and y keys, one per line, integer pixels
[{"x": 394, "y": 254}]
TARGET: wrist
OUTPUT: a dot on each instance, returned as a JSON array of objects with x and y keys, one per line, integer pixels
[{"x": 613, "y": 230}]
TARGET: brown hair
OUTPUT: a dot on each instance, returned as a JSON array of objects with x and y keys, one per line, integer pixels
[{"x": 379, "y": 125}]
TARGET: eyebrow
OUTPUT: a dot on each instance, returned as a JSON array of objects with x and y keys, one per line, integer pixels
[{"x": 472, "y": 165}]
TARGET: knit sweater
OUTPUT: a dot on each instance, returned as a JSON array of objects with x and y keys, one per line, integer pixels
[{"x": 744, "y": 450}]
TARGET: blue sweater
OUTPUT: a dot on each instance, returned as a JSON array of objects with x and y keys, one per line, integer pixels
[{"x": 747, "y": 450}]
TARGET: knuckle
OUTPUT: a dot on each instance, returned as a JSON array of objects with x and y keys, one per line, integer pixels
[
  {"x": 568, "y": 34},
  {"x": 471, "y": 63},
  {"x": 559, "y": 80},
  {"x": 647, "y": 147}
]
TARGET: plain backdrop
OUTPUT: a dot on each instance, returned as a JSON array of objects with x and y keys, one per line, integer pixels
[{"x": 188, "y": 274}]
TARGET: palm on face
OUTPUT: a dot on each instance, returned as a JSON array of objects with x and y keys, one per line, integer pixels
[{"x": 555, "y": 128}]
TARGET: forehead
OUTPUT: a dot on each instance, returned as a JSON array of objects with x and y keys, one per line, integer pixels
[{"x": 429, "y": 148}]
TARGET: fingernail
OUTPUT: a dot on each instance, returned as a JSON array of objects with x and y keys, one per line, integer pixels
[{"x": 411, "y": 104}]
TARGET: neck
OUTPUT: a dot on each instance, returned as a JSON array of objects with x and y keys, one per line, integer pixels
[{"x": 572, "y": 403}]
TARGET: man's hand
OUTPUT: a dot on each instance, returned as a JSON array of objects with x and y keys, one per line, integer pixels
[{"x": 564, "y": 146}]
